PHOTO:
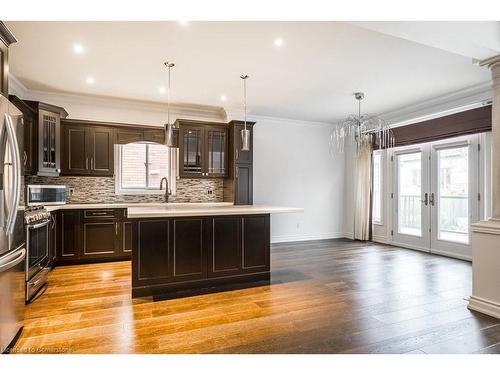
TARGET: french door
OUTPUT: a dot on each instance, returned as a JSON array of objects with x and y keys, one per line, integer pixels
[{"x": 435, "y": 195}]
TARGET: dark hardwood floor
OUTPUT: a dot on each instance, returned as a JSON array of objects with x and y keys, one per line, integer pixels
[{"x": 337, "y": 296}]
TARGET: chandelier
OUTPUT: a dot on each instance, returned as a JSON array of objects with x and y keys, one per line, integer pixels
[{"x": 361, "y": 130}]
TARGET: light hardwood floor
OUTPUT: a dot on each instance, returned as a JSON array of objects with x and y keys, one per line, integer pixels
[{"x": 336, "y": 296}]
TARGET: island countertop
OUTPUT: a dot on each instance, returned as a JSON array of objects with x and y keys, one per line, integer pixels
[{"x": 137, "y": 212}]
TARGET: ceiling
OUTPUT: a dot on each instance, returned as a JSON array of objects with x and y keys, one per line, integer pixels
[{"x": 310, "y": 77}]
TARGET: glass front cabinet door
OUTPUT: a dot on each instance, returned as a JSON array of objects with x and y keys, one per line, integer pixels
[
  {"x": 49, "y": 141},
  {"x": 191, "y": 144},
  {"x": 203, "y": 151},
  {"x": 216, "y": 152}
]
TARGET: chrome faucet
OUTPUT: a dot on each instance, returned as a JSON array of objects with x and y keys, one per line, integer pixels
[{"x": 166, "y": 188}]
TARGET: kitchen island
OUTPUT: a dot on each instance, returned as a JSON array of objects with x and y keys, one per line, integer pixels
[{"x": 198, "y": 247}]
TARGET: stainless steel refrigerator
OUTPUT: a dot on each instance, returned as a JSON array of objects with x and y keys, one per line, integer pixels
[{"x": 12, "y": 231}]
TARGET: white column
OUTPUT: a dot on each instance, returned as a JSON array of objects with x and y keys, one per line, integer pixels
[
  {"x": 494, "y": 65},
  {"x": 485, "y": 296}
]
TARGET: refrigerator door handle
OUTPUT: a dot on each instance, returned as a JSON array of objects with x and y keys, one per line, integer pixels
[
  {"x": 16, "y": 173},
  {"x": 7, "y": 262}
]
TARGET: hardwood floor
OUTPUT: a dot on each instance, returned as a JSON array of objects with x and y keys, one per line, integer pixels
[{"x": 336, "y": 296}]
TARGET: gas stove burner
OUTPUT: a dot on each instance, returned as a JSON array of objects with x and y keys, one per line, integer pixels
[{"x": 36, "y": 214}]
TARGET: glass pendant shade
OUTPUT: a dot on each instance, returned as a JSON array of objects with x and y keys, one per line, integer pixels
[
  {"x": 169, "y": 135},
  {"x": 245, "y": 133},
  {"x": 245, "y": 140}
]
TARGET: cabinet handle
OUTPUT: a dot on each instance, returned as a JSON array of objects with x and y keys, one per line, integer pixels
[
  {"x": 25, "y": 157},
  {"x": 92, "y": 166},
  {"x": 116, "y": 229},
  {"x": 237, "y": 154},
  {"x": 237, "y": 172},
  {"x": 87, "y": 162}
]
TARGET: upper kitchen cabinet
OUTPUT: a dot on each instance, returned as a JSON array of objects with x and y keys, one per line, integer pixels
[
  {"x": 42, "y": 133},
  {"x": 203, "y": 149},
  {"x": 87, "y": 149},
  {"x": 6, "y": 39}
]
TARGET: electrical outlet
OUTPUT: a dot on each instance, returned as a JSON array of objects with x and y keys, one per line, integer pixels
[
  {"x": 209, "y": 192},
  {"x": 71, "y": 191}
]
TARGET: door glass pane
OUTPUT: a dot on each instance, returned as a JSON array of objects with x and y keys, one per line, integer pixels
[
  {"x": 216, "y": 149},
  {"x": 192, "y": 151},
  {"x": 377, "y": 187},
  {"x": 409, "y": 193},
  {"x": 453, "y": 194}
]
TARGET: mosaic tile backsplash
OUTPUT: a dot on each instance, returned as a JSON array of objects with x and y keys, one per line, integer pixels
[{"x": 102, "y": 190}]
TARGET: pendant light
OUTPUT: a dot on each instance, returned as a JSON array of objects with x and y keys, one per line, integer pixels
[
  {"x": 169, "y": 128},
  {"x": 245, "y": 133}
]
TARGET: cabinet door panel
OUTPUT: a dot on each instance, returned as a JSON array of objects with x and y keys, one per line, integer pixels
[
  {"x": 255, "y": 241},
  {"x": 75, "y": 150},
  {"x": 151, "y": 255},
  {"x": 99, "y": 239},
  {"x": 225, "y": 249},
  {"x": 188, "y": 249},
  {"x": 191, "y": 151},
  {"x": 48, "y": 142},
  {"x": 67, "y": 235},
  {"x": 127, "y": 237},
  {"x": 243, "y": 184},
  {"x": 29, "y": 145},
  {"x": 101, "y": 151},
  {"x": 217, "y": 152}
]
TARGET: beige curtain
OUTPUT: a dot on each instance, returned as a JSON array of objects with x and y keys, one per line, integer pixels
[{"x": 362, "y": 197}]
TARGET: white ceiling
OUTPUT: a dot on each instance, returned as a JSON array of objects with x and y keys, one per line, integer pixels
[{"x": 311, "y": 77}]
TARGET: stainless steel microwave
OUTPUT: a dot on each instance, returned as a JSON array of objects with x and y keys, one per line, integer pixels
[{"x": 46, "y": 195}]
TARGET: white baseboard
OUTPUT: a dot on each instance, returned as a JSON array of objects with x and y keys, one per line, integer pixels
[
  {"x": 349, "y": 235},
  {"x": 452, "y": 255},
  {"x": 380, "y": 239},
  {"x": 484, "y": 306},
  {"x": 306, "y": 237}
]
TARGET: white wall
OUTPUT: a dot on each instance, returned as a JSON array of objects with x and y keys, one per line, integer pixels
[
  {"x": 292, "y": 164},
  {"x": 293, "y": 167}
]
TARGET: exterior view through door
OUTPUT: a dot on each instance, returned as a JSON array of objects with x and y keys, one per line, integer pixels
[{"x": 435, "y": 195}]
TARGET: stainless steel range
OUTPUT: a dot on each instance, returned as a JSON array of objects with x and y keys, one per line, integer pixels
[{"x": 37, "y": 220}]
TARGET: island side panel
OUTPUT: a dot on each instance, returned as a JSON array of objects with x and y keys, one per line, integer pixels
[{"x": 196, "y": 253}]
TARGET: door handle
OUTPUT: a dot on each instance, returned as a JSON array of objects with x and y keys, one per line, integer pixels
[
  {"x": 426, "y": 199},
  {"x": 25, "y": 157},
  {"x": 431, "y": 200}
]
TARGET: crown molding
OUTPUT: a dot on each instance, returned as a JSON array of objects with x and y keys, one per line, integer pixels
[
  {"x": 239, "y": 114},
  {"x": 489, "y": 62},
  {"x": 457, "y": 101},
  {"x": 17, "y": 88}
]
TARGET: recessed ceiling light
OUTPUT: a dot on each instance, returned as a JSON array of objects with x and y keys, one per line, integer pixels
[
  {"x": 223, "y": 98},
  {"x": 78, "y": 49},
  {"x": 90, "y": 80},
  {"x": 162, "y": 90},
  {"x": 278, "y": 42},
  {"x": 183, "y": 23}
]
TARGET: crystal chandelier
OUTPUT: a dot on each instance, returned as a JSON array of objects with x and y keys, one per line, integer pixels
[{"x": 360, "y": 130}]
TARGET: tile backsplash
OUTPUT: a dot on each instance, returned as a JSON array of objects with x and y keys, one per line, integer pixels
[{"x": 102, "y": 190}]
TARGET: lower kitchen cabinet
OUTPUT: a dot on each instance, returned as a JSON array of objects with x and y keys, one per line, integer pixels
[
  {"x": 173, "y": 255},
  {"x": 84, "y": 236}
]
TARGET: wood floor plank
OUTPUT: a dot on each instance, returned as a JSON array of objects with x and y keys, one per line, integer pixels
[{"x": 329, "y": 296}]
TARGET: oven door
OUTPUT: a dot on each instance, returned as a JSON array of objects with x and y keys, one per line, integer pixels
[{"x": 37, "y": 245}]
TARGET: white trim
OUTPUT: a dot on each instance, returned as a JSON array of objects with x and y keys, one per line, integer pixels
[
  {"x": 381, "y": 171},
  {"x": 306, "y": 237},
  {"x": 468, "y": 98},
  {"x": 484, "y": 306},
  {"x": 381, "y": 239},
  {"x": 120, "y": 191},
  {"x": 349, "y": 235}
]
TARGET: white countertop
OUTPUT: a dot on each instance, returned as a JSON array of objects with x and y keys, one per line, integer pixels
[
  {"x": 206, "y": 210},
  {"x": 145, "y": 210}
]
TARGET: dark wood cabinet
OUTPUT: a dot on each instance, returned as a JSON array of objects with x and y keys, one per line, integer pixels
[
  {"x": 203, "y": 149},
  {"x": 6, "y": 39},
  {"x": 42, "y": 144},
  {"x": 151, "y": 260},
  {"x": 67, "y": 230},
  {"x": 129, "y": 134},
  {"x": 240, "y": 177},
  {"x": 180, "y": 254},
  {"x": 225, "y": 246},
  {"x": 53, "y": 238},
  {"x": 92, "y": 235},
  {"x": 87, "y": 150},
  {"x": 30, "y": 136},
  {"x": 188, "y": 248}
]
